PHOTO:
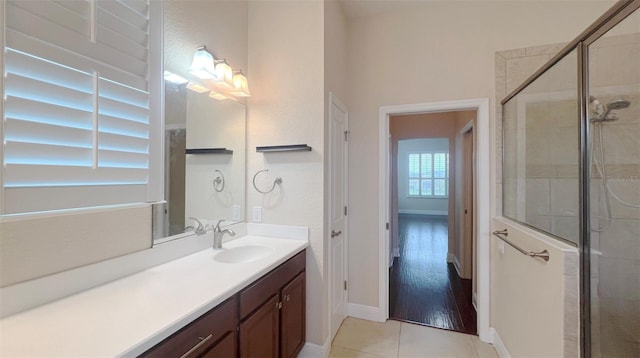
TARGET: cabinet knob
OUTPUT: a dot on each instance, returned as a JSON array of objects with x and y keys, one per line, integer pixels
[
  {"x": 287, "y": 297},
  {"x": 279, "y": 305}
]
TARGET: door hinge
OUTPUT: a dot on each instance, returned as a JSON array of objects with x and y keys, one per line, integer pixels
[
  {"x": 345, "y": 210},
  {"x": 346, "y": 135},
  {"x": 345, "y": 285},
  {"x": 387, "y": 226}
]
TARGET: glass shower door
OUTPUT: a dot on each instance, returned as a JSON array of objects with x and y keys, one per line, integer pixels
[{"x": 614, "y": 116}]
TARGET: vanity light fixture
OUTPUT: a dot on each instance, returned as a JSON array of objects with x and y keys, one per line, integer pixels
[
  {"x": 198, "y": 88},
  {"x": 203, "y": 65},
  {"x": 240, "y": 85},
  {"x": 223, "y": 74},
  {"x": 220, "y": 79}
]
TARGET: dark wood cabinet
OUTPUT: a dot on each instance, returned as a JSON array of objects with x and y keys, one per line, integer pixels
[
  {"x": 211, "y": 332},
  {"x": 226, "y": 347},
  {"x": 260, "y": 332},
  {"x": 292, "y": 322},
  {"x": 266, "y": 319},
  {"x": 285, "y": 284}
]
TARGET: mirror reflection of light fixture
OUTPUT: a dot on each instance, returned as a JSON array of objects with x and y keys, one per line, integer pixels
[
  {"x": 221, "y": 81},
  {"x": 240, "y": 85},
  {"x": 217, "y": 95},
  {"x": 198, "y": 88},
  {"x": 223, "y": 74},
  {"x": 203, "y": 65}
]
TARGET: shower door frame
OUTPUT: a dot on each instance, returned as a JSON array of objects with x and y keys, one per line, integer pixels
[{"x": 611, "y": 18}]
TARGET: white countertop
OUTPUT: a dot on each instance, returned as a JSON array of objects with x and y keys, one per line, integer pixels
[{"x": 128, "y": 316}]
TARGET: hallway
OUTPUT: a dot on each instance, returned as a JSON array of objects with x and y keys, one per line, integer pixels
[{"x": 423, "y": 287}]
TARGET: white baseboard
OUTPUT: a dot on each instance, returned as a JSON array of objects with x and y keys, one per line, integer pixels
[
  {"x": 498, "y": 344},
  {"x": 450, "y": 257},
  {"x": 456, "y": 264},
  {"x": 369, "y": 313},
  {"x": 423, "y": 212},
  {"x": 311, "y": 350}
]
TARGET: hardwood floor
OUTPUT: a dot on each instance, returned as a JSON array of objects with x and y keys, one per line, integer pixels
[{"x": 423, "y": 287}]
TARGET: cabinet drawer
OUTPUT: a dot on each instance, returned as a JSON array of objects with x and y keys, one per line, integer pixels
[
  {"x": 215, "y": 323},
  {"x": 255, "y": 295}
]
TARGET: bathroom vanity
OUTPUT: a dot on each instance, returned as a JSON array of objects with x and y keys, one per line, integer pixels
[
  {"x": 265, "y": 319},
  {"x": 247, "y": 299}
]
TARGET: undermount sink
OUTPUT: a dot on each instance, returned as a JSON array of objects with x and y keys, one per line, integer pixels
[{"x": 246, "y": 253}]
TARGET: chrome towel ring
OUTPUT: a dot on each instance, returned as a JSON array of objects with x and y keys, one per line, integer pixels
[
  {"x": 218, "y": 182},
  {"x": 277, "y": 181}
]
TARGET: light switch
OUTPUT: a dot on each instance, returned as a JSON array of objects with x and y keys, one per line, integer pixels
[{"x": 257, "y": 214}]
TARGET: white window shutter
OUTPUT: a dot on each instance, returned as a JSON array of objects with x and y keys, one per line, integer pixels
[{"x": 76, "y": 126}]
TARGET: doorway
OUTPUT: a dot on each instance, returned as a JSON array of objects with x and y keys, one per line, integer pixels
[
  {"x": 429, "y": 220},
  {"x": 338, "y": 219},
  {"x": 482, "y": 208}
]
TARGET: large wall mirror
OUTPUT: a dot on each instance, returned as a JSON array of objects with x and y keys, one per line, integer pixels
[{"x": 205, "y": 138}]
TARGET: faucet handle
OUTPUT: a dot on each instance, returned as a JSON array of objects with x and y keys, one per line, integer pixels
[
  {"x": 217, "y": 227},
  {"x": 201, "y": 229}
]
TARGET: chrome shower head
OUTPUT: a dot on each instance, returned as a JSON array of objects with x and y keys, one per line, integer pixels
[
  {"x": 618, "y": 103},
  {"x": 607, "y": 116}
]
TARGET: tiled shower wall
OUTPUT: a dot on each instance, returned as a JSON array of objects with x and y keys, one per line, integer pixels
[
  {"x": 614, "y": 71},
  {"x": 550, "y": 183},
  {"x": 512, "y": 68}
]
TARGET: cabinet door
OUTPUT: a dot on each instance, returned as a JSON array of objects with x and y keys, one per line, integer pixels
[
  {"x": 293, "y": 317},
  {"x": 259, "y": 333}
]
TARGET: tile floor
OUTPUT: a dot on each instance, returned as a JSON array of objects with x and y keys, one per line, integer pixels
[{"x": 366, "y": 339}]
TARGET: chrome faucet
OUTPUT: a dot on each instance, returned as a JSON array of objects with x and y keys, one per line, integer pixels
[
  {"x": 201, "y": 229},
  {"x": 219, "y": 233}
]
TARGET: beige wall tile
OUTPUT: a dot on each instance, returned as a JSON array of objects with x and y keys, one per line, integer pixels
[
  {"x": 538, "y": 200},
  {"x": 521, "y": 68},
  {"x": 621, "y": 239},
  {"x": 619, "y": 278},
  {"x": 544, "y": 49},
  {"x": 515, "y": 53}
]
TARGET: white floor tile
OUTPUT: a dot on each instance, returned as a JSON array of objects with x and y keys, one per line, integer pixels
[{"x": 367, "y": 339}]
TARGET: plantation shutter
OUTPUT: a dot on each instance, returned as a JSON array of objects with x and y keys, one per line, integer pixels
[{"x": 76, "y": 104}]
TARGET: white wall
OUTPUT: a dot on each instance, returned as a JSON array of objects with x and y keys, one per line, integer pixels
[
  {"x": 286, "y": 72},
  {"x": 406, "y": 204},
  {"x": 219, "y": 25},
  {"x": 443, "y": 51}
]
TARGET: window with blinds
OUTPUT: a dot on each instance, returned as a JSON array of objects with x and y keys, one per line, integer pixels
[
  {"x": 76, "y": 126},
  {"x": 428, "y": 175}
]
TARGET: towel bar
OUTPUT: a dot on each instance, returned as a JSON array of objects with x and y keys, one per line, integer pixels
[{"x": 502, "y": 235}]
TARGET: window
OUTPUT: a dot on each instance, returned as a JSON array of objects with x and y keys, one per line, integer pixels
[
  {"x": 429, "y": 175},
  {"x": 79, "y": 92}
]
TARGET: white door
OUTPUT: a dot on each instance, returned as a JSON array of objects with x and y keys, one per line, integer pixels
[{"x": 338, "y": 210}]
